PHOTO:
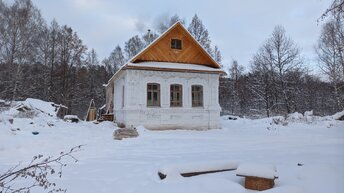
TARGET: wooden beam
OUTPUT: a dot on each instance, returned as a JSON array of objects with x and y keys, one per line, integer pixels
[{"x": 190, "y": 174}]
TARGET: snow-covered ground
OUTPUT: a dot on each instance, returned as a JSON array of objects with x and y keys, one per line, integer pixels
[{"x": 131, "y": 165}]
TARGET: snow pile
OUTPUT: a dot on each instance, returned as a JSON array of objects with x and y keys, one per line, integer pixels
[
  {"x": 257, "y": 170},
  {"x": 279, "y": 120},
  {"x": 294, "y": 117},
  {"x": 70, "y": 117},
  {"x": 31, "y": 108},
  {"x": 45, "y": 107},
  {"x": 308, "y": 117}
]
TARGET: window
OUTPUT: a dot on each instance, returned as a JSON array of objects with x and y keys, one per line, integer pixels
[
  {"x": 197, "y": 96},
  {"x": 153, "y": 94},
  {"x": 176, "y": 44},
  {"x": 176, "y": 97}
]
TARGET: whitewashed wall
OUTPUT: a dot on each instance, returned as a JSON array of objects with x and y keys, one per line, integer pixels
[{"x": 135, "y": 111}]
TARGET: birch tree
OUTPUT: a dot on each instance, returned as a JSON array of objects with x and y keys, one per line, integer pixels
[
  {"x": 330, "y": 51},
  {"x": 115, "y": 60}
]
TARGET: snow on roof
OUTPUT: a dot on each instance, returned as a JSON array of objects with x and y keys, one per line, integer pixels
[
  {"x": 70, "y": 117},
  {"x": 170, "y": 65},
  {"x": 257, "y": 170}
]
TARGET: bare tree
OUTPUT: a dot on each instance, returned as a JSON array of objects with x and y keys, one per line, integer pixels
[
  {"x": 165, "y": 21},
  {"x": 336, "y": 9},
  {"x": 278, "y": 57},
  {"x": 20, "y": 25},
  {"x": 133, "y": 46},
  {"x": 115, "y": 60},
  {"x": 330, "y": 51},
  {"x": 235, "y": 72},
  {"x": 149, "y": 37},
  {"x": 200, "y": 33},
  {"x": 217, "y": 55}
]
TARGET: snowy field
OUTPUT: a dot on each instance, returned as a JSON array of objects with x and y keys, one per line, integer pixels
[{"x": 131, "y": 165}]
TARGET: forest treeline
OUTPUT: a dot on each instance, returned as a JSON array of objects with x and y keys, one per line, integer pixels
[{"x": 49, "y": 61}]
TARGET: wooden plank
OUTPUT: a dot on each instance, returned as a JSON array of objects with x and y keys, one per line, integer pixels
[
  {"x": 190, "y": 174},
  {"x": 191, "y": 52}
]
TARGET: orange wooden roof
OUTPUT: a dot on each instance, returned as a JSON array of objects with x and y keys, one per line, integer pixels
[{"x": 160, "y": 50}]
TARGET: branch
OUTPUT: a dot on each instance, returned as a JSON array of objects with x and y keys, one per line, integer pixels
[{"x": 37, "y": 170}]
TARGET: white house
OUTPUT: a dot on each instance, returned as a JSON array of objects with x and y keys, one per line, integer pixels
[{"x": 171, "y": 84}]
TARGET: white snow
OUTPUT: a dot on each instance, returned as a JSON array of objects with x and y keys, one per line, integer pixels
[
  {"x": 295, "y": 116},
  {"x": 170, "y": 65},
  {"x": 70, "y": 117},
  {"x": 257, "y": 170},
  {"x": 45, "y": 107},
  {"x": 131, "y": 165}
]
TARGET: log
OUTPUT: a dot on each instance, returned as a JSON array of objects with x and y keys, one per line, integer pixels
[
  {"x": 197, "y": 168},
  {"x": 190, "y": 174}
]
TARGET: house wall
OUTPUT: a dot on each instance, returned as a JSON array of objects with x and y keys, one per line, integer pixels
[
  {"x": 135, "y": 111},
  {"x": 118, "y": 96},
  {"x": 109, "y": 92}
]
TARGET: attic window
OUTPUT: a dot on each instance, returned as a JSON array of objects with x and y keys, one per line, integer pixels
[{"x": 176, "y": 44}]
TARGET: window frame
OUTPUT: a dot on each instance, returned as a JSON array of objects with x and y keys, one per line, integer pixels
[
  {"x": 199, "y": 102},
  {"x": 150, "y": 92},
  {"x": 174, "y": 102},
  {"x": 175, "y": 46}
]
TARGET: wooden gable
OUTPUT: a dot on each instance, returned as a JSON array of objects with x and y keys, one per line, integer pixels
[{"x": 191, "y": 52}]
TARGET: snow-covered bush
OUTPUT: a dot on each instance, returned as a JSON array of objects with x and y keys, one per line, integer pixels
[
  {"x": 279, "y": 121},
  {"x": 295, "y": 117}
]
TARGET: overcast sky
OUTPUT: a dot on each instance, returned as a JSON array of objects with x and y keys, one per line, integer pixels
[{"x": 237, "y": 27}]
